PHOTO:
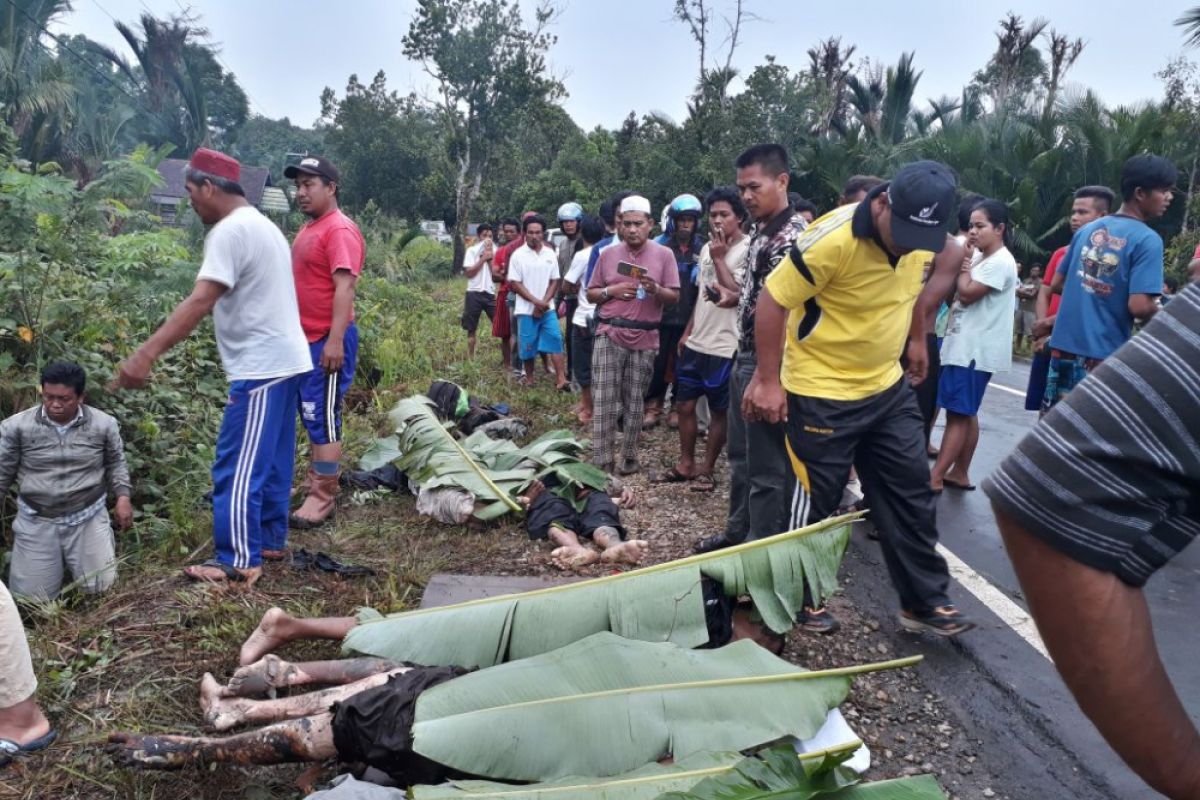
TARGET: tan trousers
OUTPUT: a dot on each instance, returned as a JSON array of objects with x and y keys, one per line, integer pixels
[
  {"x": 17, "y": 682},
  {"x": 42, "y": 548}
]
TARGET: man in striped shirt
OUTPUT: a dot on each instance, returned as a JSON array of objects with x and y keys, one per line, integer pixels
[{"x": 1100, "y": 495}]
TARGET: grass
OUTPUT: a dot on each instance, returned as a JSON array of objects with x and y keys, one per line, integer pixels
[{"x": 131, "y": 659}]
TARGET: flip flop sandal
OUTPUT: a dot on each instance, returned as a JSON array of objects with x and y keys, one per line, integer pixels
[
  {"x": 962, "y": 487},
  {"x": 10, "y": 749},
  {"x": 703, "y": 483},
  {"x": 327, "y": 563},
  {"x": 672, "y": 476},
  {"x": 231, "y": 574}
]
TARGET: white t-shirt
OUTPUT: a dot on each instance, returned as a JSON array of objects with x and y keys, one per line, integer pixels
[
  {"x": 534, "y": 271},
  {"x": 482, "y": 281},
  {"x": 714, "y": 329},
  {"x": 982, "y": 332},
  {"x": 585, "y": 309},
  {"x": 257, "y": 319}
]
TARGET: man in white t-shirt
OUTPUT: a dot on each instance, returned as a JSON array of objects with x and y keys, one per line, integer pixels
[
  {"x": 591, "y": 230},
  {"x": 246, "y": 283},
  {"x": 481, "y": 287},
  {"x": 533, "y": 277}
]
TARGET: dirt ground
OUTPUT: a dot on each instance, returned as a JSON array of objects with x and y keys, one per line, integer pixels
[{"x": 132, "y": 660}]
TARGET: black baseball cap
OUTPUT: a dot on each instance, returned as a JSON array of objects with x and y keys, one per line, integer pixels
[
  {"x": 924, "y": 200},
  {"x": 313, "y": 165}
]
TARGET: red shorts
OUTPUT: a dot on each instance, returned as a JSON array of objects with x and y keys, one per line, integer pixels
[{"x": 501, "y": 322}]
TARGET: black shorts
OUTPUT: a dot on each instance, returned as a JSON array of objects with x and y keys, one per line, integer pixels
[
  {"x": 1111, "y": 475},
  {"x": 581, "y": 355},
  {"x": 474, "y": 304},
  {"x": 702, "y": 375},
  {"x": 549, "y": 509},
  {"x": 374, "y": 727}
]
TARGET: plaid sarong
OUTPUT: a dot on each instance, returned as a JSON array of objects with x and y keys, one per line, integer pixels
[{"x": 620, "y": 377}]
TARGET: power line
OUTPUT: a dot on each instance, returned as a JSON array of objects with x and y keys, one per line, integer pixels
[{"x": 107, "y": 78}]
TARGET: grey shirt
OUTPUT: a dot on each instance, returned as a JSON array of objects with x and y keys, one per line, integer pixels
[{"x": 59, "y": 473}]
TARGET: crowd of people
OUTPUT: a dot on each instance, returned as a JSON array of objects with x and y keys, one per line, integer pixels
[{"x": 816, "y": 348}]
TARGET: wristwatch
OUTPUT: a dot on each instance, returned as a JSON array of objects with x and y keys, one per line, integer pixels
[{"x": 605, "y": 290}]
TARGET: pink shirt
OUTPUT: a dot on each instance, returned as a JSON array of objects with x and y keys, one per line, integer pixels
[
  {"x": 659, "y": 262},
  {"x": 322, "y": 247}
]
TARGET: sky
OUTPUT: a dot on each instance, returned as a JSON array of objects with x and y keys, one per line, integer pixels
[{"x": 629, "y": 55}]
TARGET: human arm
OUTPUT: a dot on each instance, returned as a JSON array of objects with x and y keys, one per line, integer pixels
[
  {"x": 718, "y": 251},
  {"x": 10, "y": 457},
  {"x": 116, "y": 473},
  {"x": 334, "y": 354},
  {"x": 765, "y": 399},
  {"x": 665, "y": 295},
  {"x": 516, "y": 287},
  {"x": 969, "y": 289},
  {"x": 1099, "y": 633},
  {"x": 1145, "y": 277},
  {"x": 134, "y": 372},
  {"x": 551, "y": 292},
  {"x": 941, "y": 281},
  {"x": 1143, "y": 306}
]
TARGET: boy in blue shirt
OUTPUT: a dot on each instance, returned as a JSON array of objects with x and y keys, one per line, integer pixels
[{"x": 1111, "y": 276}]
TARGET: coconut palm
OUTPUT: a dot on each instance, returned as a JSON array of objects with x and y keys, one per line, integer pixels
[
  {"x": 1190, "y": 22},
  {"x": 31, "y": 83}
]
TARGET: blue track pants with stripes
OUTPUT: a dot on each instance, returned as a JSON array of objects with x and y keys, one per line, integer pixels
[{"x": 252, "y": 474}]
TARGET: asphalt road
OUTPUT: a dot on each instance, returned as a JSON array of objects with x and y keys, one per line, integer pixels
[{"x": 1003, "y": 689}]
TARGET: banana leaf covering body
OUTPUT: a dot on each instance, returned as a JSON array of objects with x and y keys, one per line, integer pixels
[
  {"x": 662, "y": 603},
  {"x": 607, "y": 705}
]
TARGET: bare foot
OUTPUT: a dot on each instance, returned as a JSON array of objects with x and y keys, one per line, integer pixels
[
  {"x": 199, "y": 572},
  {"x": 262, "y": 677},
  {"x": 574, "y": 556},
  {"x": 220, "y": 714},
  {"x": 152, "y": 752},
  {"x": 265, "y": 637},
  {"x": 531, "y": 493},
  {"x": 585, "y": 417},
  {"x": 629, "y": 552}
]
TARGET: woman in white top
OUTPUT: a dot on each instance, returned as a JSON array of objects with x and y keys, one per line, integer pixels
[{"x": 978, "y": 340}]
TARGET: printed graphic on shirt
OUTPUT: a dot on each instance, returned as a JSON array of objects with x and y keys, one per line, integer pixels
[{"x": 1100, "y": 259}]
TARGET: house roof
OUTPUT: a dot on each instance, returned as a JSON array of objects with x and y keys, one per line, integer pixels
[{"x": 254, "y": 181}]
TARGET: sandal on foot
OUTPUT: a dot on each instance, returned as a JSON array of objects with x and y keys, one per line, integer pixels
[
  {"x": 703, "y": 483},
  {"x": 10, "y": 749},
  {"x": 232, "y": 575},
  {"x": 944, "y": 621},
  {"x": 819, "y": 620},
  {"x": 963, "y": 487},
  {"x": 673, "y": 475}
]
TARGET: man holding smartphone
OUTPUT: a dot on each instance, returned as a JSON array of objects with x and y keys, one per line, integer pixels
[
  {"x": 709, "y": 342},
  {"x": 481, "y": 287},
  {"x": 633, "y": 281}
]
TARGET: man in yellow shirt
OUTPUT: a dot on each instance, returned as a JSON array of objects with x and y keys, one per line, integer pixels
[{"x": 846, "y": 293}]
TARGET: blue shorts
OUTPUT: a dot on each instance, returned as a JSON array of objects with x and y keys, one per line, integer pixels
[
  {"x": 538, "y": 335},
  {"x": 1064, "y": 374},
  {"x": 702, "y": 375},
  {"x": 321, "y": 392},
  {"x": 960, "y": 389},
  {"x": 1038, "y": 369}
]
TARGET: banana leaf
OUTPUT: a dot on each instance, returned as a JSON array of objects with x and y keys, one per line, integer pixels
[
  {"x": 658, "y": 603},
  {"x": 777, "y": 773},
  {"x": 607, "y": 705},
  {"x": 646, "y": 783}
]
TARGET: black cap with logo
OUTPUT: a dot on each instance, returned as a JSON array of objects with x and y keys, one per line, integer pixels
[
  {"x": 924, "y": 200},
  {"x": 313, "y": 165}
]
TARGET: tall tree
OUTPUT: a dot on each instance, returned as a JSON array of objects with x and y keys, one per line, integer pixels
[
  {"x": 488, "y": 67},
  {"x": 1190, "y": 22},
  {"x": 32, "y": 86}
]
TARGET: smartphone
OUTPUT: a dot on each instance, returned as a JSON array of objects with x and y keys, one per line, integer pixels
[
  {"x": 712, "y": 294},
  {"x": 631, "y": 270}
]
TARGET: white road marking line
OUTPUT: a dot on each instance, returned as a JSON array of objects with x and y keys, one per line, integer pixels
[
  {"x": 1008, "y": 389},
  {"x": 1009, "y": 612}
]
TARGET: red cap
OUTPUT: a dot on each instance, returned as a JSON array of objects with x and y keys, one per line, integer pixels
[{"x": 215, "y": 163}]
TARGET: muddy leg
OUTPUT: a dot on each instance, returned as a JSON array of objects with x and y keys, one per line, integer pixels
[
  {"x": 308, "y": 739},
  {"x": 272, "y": 672},
  {"x": 222, "y": 713}
]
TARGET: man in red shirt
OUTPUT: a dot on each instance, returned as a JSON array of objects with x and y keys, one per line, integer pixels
[
  {"x": 1090, "y": 203},
  {"x": 502, "y": 327},
  {"x": 1194, "y": 266},
  {"x": 327, "y": 258}
]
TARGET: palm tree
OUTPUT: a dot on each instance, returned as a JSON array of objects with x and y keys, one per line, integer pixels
[
  {"x": 1190, "y": 22},
  {"x": 31, "y": 84}
]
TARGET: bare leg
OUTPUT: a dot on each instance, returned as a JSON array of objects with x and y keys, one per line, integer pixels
[
  {"x": 960, "y": 472},
  {"x": 953, "y": 440},
  {"x": 718, "y": 429},
  {"x": 687, "y": 437},
  {"x": 1098, "y": 632},
  {"x": 529, "y": 365},
  {"x": 471, "y": 346},
  {"x": 222, "y": 713},
  {"x": 278, "y": 627},
  {"x": 586, "y": 410},
  {"x": 308, "y": 739},
  {"x": 617, "y": 551},
  {"x": 570, "y": 553},
  {"x": 505, "y": 354},
  {"x": 560, "y": 372},
  {"x": 272, "y": 672}
]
